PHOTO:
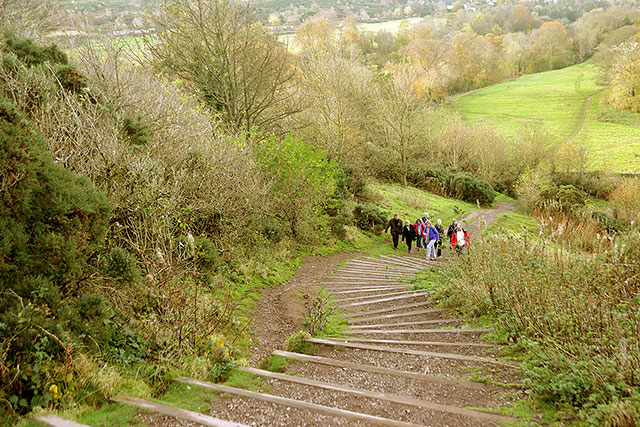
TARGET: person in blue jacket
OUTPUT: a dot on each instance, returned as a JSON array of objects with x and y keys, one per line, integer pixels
[{"x": 433, "y": 237}]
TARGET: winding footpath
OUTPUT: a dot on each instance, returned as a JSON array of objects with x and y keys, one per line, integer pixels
[{"x": 402, "y": 361}]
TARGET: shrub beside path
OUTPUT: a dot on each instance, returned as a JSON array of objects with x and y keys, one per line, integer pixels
[{"x": 401, "y": 361}]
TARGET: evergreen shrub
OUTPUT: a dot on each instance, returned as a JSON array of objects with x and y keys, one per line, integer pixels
[{"x": 51, "y": 223}]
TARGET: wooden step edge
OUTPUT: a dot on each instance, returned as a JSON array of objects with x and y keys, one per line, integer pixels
[
  {"x": 366, "y": 272},
  {"x": 394, "y": 398},
  {"x": 299, "y": 404},
  {"x": 409, "y": 342},
  {"x": 334, "y": 279},
  {"x": 386, "y": 265},
  {"x": 395, "y": 315},
  {"x": 362, "y": 282},
  {"x": 379, "y": 370},
  {"x": 386, "y": 310},
  {"x": 401, "y": 261},
  {"x": 374, "y": 272},
  {"x": 172, "y": 411},
  {"x": 56, "y": 421},
  {"x": 363, "y": 286},
  {"x": 351, "y": 290},
  {"x": 417, "y": 331},
  {"x": 451, "y": 356},
  {"x": 387, "y": 299},
  {"x": 391, "y": 293},
  {"x": 421, "y": 322}
]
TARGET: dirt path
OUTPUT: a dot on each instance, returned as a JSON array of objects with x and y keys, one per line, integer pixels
[
  {"x": 401, "y": 361},
  {"x": 477, "y": 220},
  {"x": 279, "y": 313},
  {"x": 583, "y": 116}
]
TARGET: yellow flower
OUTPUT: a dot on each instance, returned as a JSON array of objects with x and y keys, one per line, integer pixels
[{"x": 55, "y": 393}]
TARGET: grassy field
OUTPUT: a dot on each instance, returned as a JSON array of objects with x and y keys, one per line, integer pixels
[
  {"x": 411, "y": 203},
  {"x": 555, "y": 101}
]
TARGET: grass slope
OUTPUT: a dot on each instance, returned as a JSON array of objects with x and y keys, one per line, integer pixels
[{"x": 555, "y": 101}]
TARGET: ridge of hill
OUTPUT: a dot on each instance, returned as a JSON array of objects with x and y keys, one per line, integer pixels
[{"x": 566, "y": 104}]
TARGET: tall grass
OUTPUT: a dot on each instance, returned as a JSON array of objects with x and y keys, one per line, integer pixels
[{"x": 577, "y": 317}]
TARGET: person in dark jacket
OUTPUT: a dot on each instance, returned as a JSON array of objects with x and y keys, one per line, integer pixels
[
  {"x": 408, "y": 234},
  {"x": 395, "y": 224},
  {"x": 452, "y": 229},
  {"x": 440, "y": 239}
]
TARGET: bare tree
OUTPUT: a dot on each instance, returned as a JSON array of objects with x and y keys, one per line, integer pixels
[
  {"x": 31, "y": 18},
  {"x": 400, "y": 112},
  {"x": 234, "y": 63}
]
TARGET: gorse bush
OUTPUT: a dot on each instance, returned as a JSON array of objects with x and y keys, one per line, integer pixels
[
  {"x": 121, "y": 266},
  {"x": 51, "y": 223},
  {"x": 461, "y": 185},
  {"x": 369, "y": 217},
  {"x": 576, "y": 316}
]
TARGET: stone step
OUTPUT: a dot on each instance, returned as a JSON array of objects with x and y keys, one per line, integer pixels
[
  {"x": 451, "y": 356},
  {"x": 175, "y": 412},
  {"x": 379, "y": 370},
  {"x": 56, "y": 421},
  {"x": 293, "y": 403},
  {"x": 393, "y": 398}
]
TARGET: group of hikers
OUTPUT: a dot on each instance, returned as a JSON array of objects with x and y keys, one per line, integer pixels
[{"x": 428, "y": 235}]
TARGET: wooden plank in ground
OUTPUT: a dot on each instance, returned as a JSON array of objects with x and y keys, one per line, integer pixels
[
  {"x": 353, "y": 290},
  {"x": 406, "y": 262},
  {"x": 431, "y": 343},
  {"x": 386, "y": 294},
  {"x": 421, "y": 322},
  {"x": 362, "y": 282},
  {"x": 372, "y": 272},
  {"x": 172, "y": 411},
  {"x": 387, "y": 299},
  {"x": 400, "y": 266},
  {"x": 386, "y": 264},
  {"x": 292, "y": 403},
  {"x": 418, "y": 331},
  {"x": 386, "y": 310},
  {"x": 378, "y": 370},
  {"x": 451, "y": 356},
  {"x": 394, "y": 398},
  {"x": 358, "y": 278},
  {"x": 367, "y": 274},
  {"x": 56, "y": 421},
  {"x": 396, "y": 315}
]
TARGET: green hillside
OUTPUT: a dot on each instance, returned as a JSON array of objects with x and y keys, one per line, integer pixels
[{"x": 567, "y": 104}]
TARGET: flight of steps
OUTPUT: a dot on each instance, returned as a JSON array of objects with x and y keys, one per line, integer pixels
[{"x": 402, "y": 361}]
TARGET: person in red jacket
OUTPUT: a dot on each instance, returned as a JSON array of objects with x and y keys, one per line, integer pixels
[
  {"x": 419, "y": 227},
  {"x": 460, "y": 239}
]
